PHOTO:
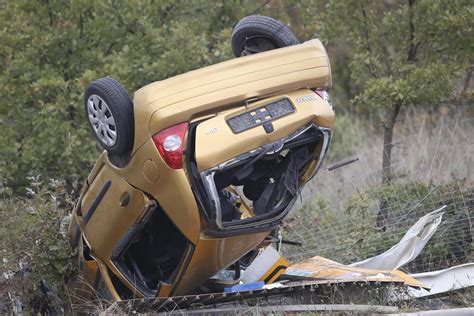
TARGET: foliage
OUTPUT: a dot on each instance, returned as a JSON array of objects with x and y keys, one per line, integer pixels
[
  {"x": 407, "y": 52},
  {"x": 50, "y": 50},
  {"x": 36, "y": 256},
  {"x": 399, "y": 54}
]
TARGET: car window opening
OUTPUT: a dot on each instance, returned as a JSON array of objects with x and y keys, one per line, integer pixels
[{"x": 154, "y": 253}]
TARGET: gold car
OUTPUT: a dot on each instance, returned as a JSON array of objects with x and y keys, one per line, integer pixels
[{"x": 200, "y": 169}]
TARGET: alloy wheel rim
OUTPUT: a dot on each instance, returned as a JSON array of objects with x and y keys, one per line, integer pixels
[{"x": 102, "y": 120}]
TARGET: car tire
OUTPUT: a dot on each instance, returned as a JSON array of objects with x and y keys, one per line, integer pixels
[
  {"x": 109, "y": 111},
  {"x": 257, "y": 33}
]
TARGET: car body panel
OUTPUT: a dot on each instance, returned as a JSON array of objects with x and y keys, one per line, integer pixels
[
  {"x": 113, "y": 215},
  {"x": 110, "y": 222},
  {"x": 87, "y": 275},
  {"x": 164, "y": 189},
  {"x": 216, "y": 142},
  {"x": 214, "y": 254},
  {"x": 319, "y": 268},
  {"x": 98, "y": 165},
  {"x": 214, "y": 88}
]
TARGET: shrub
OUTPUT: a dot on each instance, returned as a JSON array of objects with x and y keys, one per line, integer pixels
[{"x": 36, "y": 256}]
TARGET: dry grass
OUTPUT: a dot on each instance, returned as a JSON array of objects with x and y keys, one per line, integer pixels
[
  {"x": 433, "y": 162},
  {"x": 423, "y": 150}
]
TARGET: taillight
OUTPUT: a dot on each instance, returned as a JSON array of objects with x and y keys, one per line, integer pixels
[
  {"x": 324, "y": 95},
  {"x": 170, "y": 144}
]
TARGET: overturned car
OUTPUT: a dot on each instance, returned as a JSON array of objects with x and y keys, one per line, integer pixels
[{"x": 200, "y": 169}]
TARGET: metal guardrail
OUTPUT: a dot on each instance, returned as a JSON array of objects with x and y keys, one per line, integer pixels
[{"x": 294, "y": 294}]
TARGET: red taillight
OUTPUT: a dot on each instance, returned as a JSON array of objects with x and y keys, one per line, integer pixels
[
  {"x": 170, "y": 144},
  {"x": 324, "y": 95},
  {"x": 321, "y": 93}
]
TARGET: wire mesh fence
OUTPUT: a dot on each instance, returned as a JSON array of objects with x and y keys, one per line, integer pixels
[{"x": 347, "y": 214}]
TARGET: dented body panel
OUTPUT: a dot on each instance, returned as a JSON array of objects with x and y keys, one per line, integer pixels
[{"x": 216, "y": 142}]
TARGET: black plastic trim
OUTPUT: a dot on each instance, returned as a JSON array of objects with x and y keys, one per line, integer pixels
[
  {"x": 260, "y": 114},
  {"x": 96, "y": 202}
]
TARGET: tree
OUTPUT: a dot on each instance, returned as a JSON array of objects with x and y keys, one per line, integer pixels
[
  {"x": 50, "y": 50},
  {"x": 401, "y": 54}
]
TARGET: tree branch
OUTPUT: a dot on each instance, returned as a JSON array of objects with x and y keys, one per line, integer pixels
[
  {"x": 367, "y": 38},
  {"x": 366, "y": 30},
  {"x": 466, "y": 81},
  {"x": 413, "y": 46}
]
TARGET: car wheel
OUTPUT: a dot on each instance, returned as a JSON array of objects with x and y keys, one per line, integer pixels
[
  {"x": 109, "y": 111},
  {"x": 257, "y": 33}
]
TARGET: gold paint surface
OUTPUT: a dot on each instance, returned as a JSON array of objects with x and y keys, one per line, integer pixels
[
  {"x": 150, "y": 171},
  {"x": 222, "y": 145},
  {"x": 214, "y": 254},
  {"x": 212, "y": 93},
  {"x": 218, "y": 87},
  {"x": 110, "y": 221}
]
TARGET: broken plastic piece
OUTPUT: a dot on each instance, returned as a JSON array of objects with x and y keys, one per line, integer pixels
[
  {"x": 409, "y": 247},
  {"x": 244, "y": 287},
  {"x": 446, "y": 280},
  {"x": 266, "y": 267},
  {"x": 318, "y": 268}
]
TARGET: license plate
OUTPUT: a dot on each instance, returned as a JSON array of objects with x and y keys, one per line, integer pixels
[{"x": 261, "y": 115}]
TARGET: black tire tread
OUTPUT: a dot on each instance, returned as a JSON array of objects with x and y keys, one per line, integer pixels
[
  {"x": 121, "y": 106},
  {"x": 255, "y": 25}
]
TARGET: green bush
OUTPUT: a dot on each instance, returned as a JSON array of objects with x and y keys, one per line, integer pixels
[
  {"x": 51, "y": 50},
  {"x": 37, "y": 258}
]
